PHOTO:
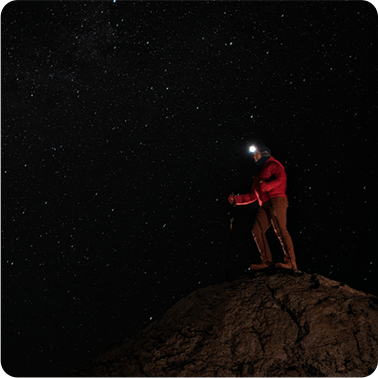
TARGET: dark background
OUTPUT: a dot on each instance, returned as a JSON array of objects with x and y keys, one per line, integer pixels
[{"x": 126, "y": 125}]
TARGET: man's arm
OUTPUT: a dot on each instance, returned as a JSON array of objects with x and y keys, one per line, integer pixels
[
  {"x": 245, "y": 199},
  {"x": 274, "y": 179}
]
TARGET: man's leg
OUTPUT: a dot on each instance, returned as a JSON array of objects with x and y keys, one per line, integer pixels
[
  {"x": 262, "y": 223},
  {"x": 278, "y": 212}
]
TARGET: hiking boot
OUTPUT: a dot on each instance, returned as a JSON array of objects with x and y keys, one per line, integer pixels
[
  {"x": 261, "y": 266},
  {"x": 287, "y": 265}
]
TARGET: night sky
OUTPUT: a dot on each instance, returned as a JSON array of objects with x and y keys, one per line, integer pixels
[{"x": 126, "y": 125}]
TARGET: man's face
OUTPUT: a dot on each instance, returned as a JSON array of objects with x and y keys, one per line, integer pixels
[{"x": 257, "y": 156}]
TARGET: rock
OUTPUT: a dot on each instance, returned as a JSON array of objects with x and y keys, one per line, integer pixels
[{"x": 270, "y": 323}]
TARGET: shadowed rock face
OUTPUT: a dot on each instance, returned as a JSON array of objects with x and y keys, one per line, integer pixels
[{"x": 272, "y": 323}]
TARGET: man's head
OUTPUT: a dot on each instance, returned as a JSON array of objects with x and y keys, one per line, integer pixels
[
  {"x": 260, "y": 151},
  {"x": 257, "y": 155}
]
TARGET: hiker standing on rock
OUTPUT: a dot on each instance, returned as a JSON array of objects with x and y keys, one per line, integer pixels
[{"x": 269, "y": 189}]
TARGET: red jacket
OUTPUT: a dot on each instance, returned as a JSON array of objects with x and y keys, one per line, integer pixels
[{"x": 273, "y": 177}]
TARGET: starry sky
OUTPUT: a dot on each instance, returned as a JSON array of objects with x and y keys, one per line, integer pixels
[{"x": 126, "y": 125}]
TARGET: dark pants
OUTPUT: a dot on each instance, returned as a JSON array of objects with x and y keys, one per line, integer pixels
[{"x": 273, "y": 212}]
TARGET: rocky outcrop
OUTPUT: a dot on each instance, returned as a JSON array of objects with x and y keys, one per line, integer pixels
[{"x": 272, "y": 323}]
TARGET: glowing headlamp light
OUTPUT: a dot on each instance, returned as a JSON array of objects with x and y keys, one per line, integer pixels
[{"x": 252, "y": 149}]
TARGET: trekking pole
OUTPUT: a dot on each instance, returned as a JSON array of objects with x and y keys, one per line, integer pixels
[{"x": 230, "y": 238}]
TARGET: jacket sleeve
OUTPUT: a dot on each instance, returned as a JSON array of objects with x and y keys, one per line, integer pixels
[
  {"x": 246, "y": 199},
  {"x": 274, "y": 179}
]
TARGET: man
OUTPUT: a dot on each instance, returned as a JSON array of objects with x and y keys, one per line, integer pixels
[{"x": 269, "y": 189}]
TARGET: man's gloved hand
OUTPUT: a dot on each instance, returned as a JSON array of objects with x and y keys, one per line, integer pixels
[{"x": 231, "y": 199}]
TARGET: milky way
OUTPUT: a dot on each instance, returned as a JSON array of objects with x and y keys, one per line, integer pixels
[{"x": 125, "y": 126}]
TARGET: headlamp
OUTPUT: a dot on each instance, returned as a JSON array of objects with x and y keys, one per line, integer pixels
[{"x": 252, "y": 149}]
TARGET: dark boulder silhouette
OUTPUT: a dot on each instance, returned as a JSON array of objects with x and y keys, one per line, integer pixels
[{"x": 271, "y": 323}]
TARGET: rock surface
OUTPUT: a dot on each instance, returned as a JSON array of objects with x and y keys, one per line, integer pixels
[{"x": 272, "y": 323}]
